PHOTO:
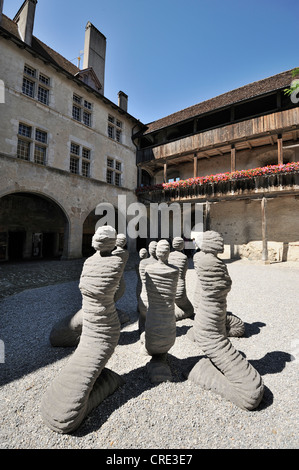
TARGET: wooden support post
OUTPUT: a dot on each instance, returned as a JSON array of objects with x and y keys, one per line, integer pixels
[
  {"x": 207, "y": 221},
  {"x": 233, "y": 159},
  {"x": 279, "y": 149},
  {"x": 195, "y": 166},
  {"x": 165, "y": 172},
  {"x": 264, "y": 232},
  {"x": 139, "y": 176}
]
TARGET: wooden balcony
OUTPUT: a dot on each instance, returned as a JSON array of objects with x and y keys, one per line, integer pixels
[
  {"x": 270, "y": 129},
  {"x": 276, "y": 184}
]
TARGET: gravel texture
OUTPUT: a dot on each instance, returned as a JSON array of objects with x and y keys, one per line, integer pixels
[{"x": 172, "y": 415}]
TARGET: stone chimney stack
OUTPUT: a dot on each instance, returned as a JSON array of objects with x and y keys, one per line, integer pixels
[
  {"x": 123, "y": 101},
  {"x": 25, "y": 20},
  {"x": 1, "y": 10},
  {"x": 95, "y": 52}
]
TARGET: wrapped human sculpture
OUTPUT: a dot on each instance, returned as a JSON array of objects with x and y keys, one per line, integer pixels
[
  {"x": 84, "y": 382},
  {"x": 183, "y": 306},
  {"x": 160, "y": 324},
  {"x": 223, "y": 369}
]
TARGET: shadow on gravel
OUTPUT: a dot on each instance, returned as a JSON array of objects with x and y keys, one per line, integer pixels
[
  {"x": 136, "y": 383},
  {"x": 252, "y": 329}
]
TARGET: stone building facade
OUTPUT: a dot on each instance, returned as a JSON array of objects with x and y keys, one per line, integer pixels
[{"x": 65, "y": 147}]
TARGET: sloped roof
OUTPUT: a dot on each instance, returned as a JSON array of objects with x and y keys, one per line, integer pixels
[
  {"x": 251, "y": 90},
  {"x": 40, "y": 48}
]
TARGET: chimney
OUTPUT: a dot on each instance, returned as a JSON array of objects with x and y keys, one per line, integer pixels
[
  {"x": 25, "y": 20},
  {"x": 95, "y": 52},
  {"x": 1, "y": 10},
  {"x": 123, "y": 101}
]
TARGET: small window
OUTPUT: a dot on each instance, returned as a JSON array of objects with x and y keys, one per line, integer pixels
[
  {"x": 110, "y": 131},
  {"x": 113, "y": 171},
  {"x": 86, "y": 153},
  {"x": 87, "y": 118},
  {"x": 23, "y": 150},
  {"x": 114, "y": 129},
  {"x": 110, "y": 162},
  {"x": 118, "y": 135},
  {"x": 29, "y": 71},
  {"x": 109, "y": 178},
  {"x": 25, "y": 130},
  {"x": 36, "y": 85},
  {"x": 75, "y": 149},
  {"x": 79, "y": 160},
  {"x": 77, "y": 113},
  {"x": 85, "y": 168},
  {"x": 43, "y": 79},
  {"x": 87, "y": 104},
  {"x": 32, "y": 144},
  {"x": 41, "y": 136},
  {"x": 79, "y": 110},
  {"x": 40, "y": 155},
  {"x": 28, "y": 87},
  {"x": 74, "y": 165},
  {"x": 43, "y": 95},
  {"x": 117, "y": 179},
  {"x": 77, "y": 99}
]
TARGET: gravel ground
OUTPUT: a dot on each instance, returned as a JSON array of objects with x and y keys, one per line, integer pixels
[{"x": 172, "y": 415}]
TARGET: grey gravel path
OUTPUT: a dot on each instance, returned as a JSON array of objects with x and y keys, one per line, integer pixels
[{"x": 173, "y": 415}]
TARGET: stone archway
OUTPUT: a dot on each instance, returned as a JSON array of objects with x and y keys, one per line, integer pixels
[
  {"x": 89, "y": 227},
  {"x": 32, "y": 226}
]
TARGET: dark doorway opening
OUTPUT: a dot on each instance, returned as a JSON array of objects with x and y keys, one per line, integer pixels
[{"x": 16, "y": 241}]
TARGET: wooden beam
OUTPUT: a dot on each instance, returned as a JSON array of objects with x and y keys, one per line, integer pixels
[
  {"x": 233, "y": 158},
  {"x": 165, "y": 172},
  {"x": 279, "y": 149},
  {"x": 264, "y": 231},
  {"x": 195, "y": 166}
]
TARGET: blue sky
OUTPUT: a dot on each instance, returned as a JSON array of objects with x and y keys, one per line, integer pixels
[{"x": 171, "y": 54}]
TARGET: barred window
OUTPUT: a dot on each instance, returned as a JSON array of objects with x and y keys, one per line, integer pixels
[
  {"x": 87, "y": 118},
  {"x": 43, "y": 79},
  {"x": 28, "y": 87},
  {"x": 77, "y": 113},
  {"x": 114, "y": 128},
  {"x": 86, "y": 153},
  {"x": 85, "y": 168},
  {"x": 75, "y": 149},
  {"x": 29, "y": 139},
  {"x": 41, "y": 136},
  {"x": 37, "y": 86},
  {"x": 110, "y": 131},
  {"x": 25, "y": 130},
  {"x": 43, "y": 95},
  {"x": 80, "y": 160},
  {"x": 109, "y": 176},
  {"x": 23, "y": 150},
  {"x": 82, "y": 110},
  {"x": 113, "y": 171},
  {"x": 39, "y": 155},
  {"x": 29, "y": 70},
  {"x": 74, "y": 165}
]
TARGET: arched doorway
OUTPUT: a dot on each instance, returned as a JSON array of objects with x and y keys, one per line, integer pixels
[
  {"x": 32, "y": 226},
  {"x": 89, "y": 228}
]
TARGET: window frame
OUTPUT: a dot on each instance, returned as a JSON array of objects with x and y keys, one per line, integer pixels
[
  {"x": 35, "y": 146},
  {"x": 80, "y": 160},
  {"x": 115, "y": 129},
  {"x": 40, "y": 84},
  {"x": 82, "y": 110},
  {"x": 114, "y": 171}
]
